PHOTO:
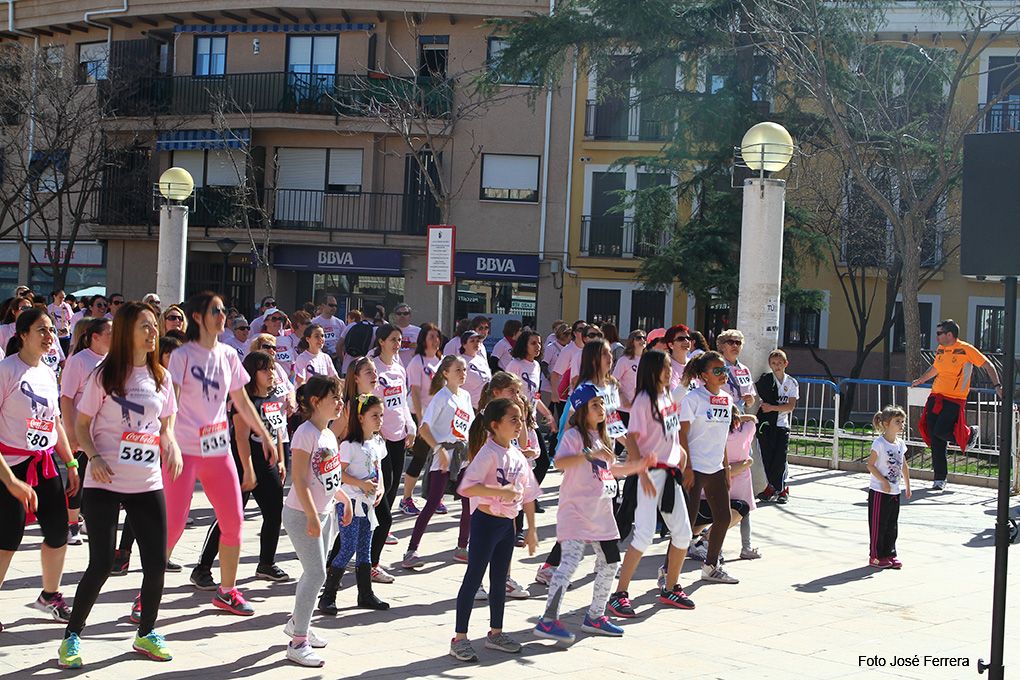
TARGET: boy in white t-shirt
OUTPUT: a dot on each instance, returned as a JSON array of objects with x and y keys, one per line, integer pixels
[{"x": 779, "y": 393}]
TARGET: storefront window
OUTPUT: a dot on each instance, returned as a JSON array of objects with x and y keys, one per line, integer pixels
[
  {"x": 360, "y": 291},
  {"x": 509, "y": 298}
]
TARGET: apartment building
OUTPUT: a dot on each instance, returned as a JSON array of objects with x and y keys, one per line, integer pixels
[{"x": 302, "y": 102}]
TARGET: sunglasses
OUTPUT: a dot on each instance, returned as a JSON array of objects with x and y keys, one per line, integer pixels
[
  {"x": 331, "y": 305},
  {"x": 483, "y": 328},
  {"x": 682, "y": 338},
  {"x": 269, "y": 303},
  {"x": 219, "y": 311},
  {"x": 101, "y": 305},
  {"x": 719, "y": 371},
  {"x": 243, "y": 328},
  {"x": 738, "y": 343},
  {"x": 277, "y": 319},
  {"x": 593, "y": 336},
  {"x": 117, "y": 302},
  {"x": 174, "y": 317},
  {"x": 640, "y": 337},
  {"x": 270, "y": 347},
  {"x": 403, "y": 313}
]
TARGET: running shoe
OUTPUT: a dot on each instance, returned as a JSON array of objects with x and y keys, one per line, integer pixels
[
  {"x": 441, "y": 509},
  {"x": 975, "y": 435},
  {"x": 380, "y": 575},
  {"x": 698, "y": 550},
  {"x": 620, "y": 606},
  {"x": 408, "y": 507},
  {"x": 74, "y": 534},
  {"x": 661, "y": 580},
  {"x": 201, "y": 578},
  {"x": 460, "y": 554},
  {"x": 136, "y": 610},
  {"x": 676, "y": 598},
  {"x": 232, "y": 601},
  {"x": 519, "y": 542},
  {"x": 938, "y": 485},
  {"x": 895, "y": 563},
  {"x": 783, "y": 497},
  {"x": 749, "y": 554},
  {"x": 54, "y": 606},
  {"x": 715, "y": 574},
  {"x": 153, "y": 646},
  {"x": 884, "y": 563},
  {"x": 461, "y": 650},
  {"x": 553, "y": 630},
  {"x": 313, "y": 639},
  {"x": 544, "y": 574},
  {"x": 515, "y": 590},
  {"x": 480, "y": 594},
  {"x": 121, "y": 560},
  {"x": 304, "y": 655},
  {"x": 271, "y": 572},
  {"x": 173, "y": 567},
  {"x": 83, "y": 527},
  {"x": 69, "y": 654},
  {"x": 769, "y": 494},
  {"x": 411, "y": 560},
  {"x": 601, "y": 626},
  {"x": 391, "y": 539},
  {"x": 502, "y": 642}
]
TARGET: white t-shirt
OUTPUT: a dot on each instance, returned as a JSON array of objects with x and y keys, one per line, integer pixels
[
  {"x": 502, "y": 352},
  {"x": 54, "y": 357},
  {"x": 449, "y": 417},
  {"x": 420, "y": 371},
  {"x": 889, "y": 462},
  {"x": 323, "y": 466},
  {"x": 307, "y": 364},
  {"x": 739, "y": 381},
  {"x": 408, "y": 343},
  {"x": 61, "y": 318},
  {"x": 625, "y": 372},
  {"x": 530, "y": 374},
  {"x": 76, "y": 371},
  {"x": 231, "y": 340},
  {"x": 709, "y": 415},
  {"x": 787, "y": 391},
  {"x": 453, "y": 347},
  {"x": 363, "y": 461},
  {"x": 569, "y": 359},
  {"x": 333, "y": 329},
  {"x": 478, "y": 375}
]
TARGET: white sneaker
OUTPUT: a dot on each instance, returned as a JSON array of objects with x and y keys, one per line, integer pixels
[
  {"x": 515, "y": 590},
  {"x": 749, "y": 554},
  {"x": 313, "y": 639},
  {"x": 716, "y": 575},
  {"x": 380, "y": 575},
  {"x": 661, "y": 581},
  {"x": 73, "y": 536},
  {"x": 481, "y": 594},
  {"x": 544, "y": 574},
  {"x": 411, "y": 560},
  {"x": 698, "y": 551},
  {"x": 304, "y": 656}
]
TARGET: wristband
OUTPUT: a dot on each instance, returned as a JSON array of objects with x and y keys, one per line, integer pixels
[
  {"x": 997, "y": 385},
  {"x": 73, "y": 463}
]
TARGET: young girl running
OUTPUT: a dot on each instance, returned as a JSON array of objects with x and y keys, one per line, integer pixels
[
  {"x": 445, "y": 429},
  {"x": 361, "y": 457},
  {"x": 308, "y": 510},
  {"x": 205, "y": 373},
  {"x": 420, "y": 371},
  {"x": 499, "y": 482},
  {"x": 311, "y": 360},
  {"x": 93, "y": 344},
  {"x": 125, "y": 428},
  {"x": 30, "y": 434},
  {"x": 585, "y": 514},
  {"x": 652, "y": 435},
  {"x": 260, "y": 467},
  {"x": 887, "y": 465}
]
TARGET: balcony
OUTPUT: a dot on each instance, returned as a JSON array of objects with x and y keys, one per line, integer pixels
[
  {"x": 611, "y": 236},
  {"x": 280, "y": 92},
  {"x": 619, "y": 120},
  {"x": 1001, "y": 117}
]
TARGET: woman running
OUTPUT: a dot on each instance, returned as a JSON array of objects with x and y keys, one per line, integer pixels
[
  {"x": 478, "y": 372},
  {"x": 30, "y": 433},
  {"x": 420, "y": 371},
  {"x": 206, "y": 373},
  {"x": 125, "y": 428}
]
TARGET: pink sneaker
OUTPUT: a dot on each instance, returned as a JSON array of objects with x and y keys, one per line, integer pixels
[
  {"x": 233, "y": 602},
  {"x": 883, "y": 563},
  {"x": 895, "y": 563}
]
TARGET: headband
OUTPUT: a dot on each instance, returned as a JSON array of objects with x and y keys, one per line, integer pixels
[{"x": 362, "y": 400}]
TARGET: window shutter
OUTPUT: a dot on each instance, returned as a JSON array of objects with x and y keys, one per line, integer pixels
[
  {"x": 301, "y": 169},
  {"x": 510, "y": 172},
  {"x": 345, "y": 166},
  {"x": 193, "y": 162}
]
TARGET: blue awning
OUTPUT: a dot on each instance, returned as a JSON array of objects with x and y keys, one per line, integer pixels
[
  {"x": 272, "y": 28},
  {"x": 184, "y": 140}
]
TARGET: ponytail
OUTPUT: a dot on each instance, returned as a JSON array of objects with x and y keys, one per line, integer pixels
[
  {"x": 302, "y": 345},
  {"x": 21, "y": 326},
  {"x": 481, "y": 428},
  {"x": 439, "y": 379}
]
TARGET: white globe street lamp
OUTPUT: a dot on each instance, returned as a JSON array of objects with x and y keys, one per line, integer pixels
[
  {"x": 176, "y": 184},
  {"x": 767, "y": 147}
]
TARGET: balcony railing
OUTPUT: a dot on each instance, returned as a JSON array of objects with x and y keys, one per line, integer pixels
[
  {"x": 1001, "y": 117},
  {"x": 611, "y": 236},
  {"x": 281, "y": 92},
  {"x": 620, "y": 120}
]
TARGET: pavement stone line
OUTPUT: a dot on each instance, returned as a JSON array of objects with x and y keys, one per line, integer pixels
[{"x": 810, "y": 609}]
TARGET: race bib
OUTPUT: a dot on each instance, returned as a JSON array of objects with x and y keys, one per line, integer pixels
[
  {"x": 138, "y": 448},
  {"x": 272, "y": 414},
  {"x": 742, "y": 377},
  {"x": 329, "y": 474},
  {"x": 611, "y": 400},
  {"x": 51, "y": 358},
  {"x": 330, "y": 337},
  {"x": 40, "y": 434},
  {"x": 600, "y": 470},
  {"x": 393, "y": 397},
  {"x": 460, "y": 424},
  {"x": 214, "y": 439},
  {"x": 614, "y": 426},
  {"x": 284, "y": 357},
  {"x": 670, "y": 420},
  {"x": 718, "y": 409}
]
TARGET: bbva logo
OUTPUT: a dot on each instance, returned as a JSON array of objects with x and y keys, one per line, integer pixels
[
  {"x": 501, "y": 265},
  {"x": 335, "y": 257}
]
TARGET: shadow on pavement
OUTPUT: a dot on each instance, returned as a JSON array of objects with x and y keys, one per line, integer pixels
[{"x": 820, "y": 585}]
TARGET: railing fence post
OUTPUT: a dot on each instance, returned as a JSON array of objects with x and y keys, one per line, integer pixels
[{"x": 835, "y": 432}]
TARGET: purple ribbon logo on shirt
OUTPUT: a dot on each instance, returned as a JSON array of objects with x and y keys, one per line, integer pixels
[
  {"x": 382, "y": 381},
  {"x": 38, "y": 401},
  {"x": 527, "y": 381},
  {"x": 128, "y": 407},
  {"x": 310, "y": 370},
  {"x": 501, "y": 476},
  {"x": 199, "y": 374}
]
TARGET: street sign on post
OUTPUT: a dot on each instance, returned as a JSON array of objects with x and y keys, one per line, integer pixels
[{"x": 442, "y": 241}]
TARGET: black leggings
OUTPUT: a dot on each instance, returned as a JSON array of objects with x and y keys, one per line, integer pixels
[
  {"x": 717, "y": 493},
  {"x": 392, "y": 468},
  {"x": 51, "y": 513},
  {"x": 268, "y": 494},
  {"x": 419, "y": 454},
  {"x": 74, "y": 502},
  {"x": 148, "y": 511}
]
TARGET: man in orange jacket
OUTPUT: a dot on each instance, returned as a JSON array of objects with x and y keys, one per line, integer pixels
[{"x": 944, "y": 417}]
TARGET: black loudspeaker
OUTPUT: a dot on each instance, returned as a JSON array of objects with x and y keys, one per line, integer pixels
[{"x": 990, "y": 219}]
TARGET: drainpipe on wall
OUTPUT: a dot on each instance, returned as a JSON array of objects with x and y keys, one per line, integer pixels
[
  {"x": 26, "y": 255},
  {"x": 87, "y": 18},
  {"x": 570, "y": 172},
  {"x": 544, "y": 213}
]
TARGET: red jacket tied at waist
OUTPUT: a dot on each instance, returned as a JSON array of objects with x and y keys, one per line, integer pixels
[
  {"x": 45, "y": 458},
  {"x": 961, "y": 432}
]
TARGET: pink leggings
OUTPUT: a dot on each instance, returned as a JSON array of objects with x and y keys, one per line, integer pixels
[{"x": 219, "y": 480}]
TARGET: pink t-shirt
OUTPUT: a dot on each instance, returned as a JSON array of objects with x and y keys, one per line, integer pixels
[
  {"x": 586, "y": 494},
  {"x": 478, "y": 376},
  {"x": 502, "y": 352},
  {"x": 739, "y": 382},
  {"x": 61, "y": 314},
  {"x": 323, "y": 466},
  {"x": 286, "y": 353},
  {"x": 27, "y": 393},
  {"x": 307, "y": 364},
  {"x": 231, "y": 340},
  {"x": 569, "y": 360},
  {"x": 54, "y": 357},
  {"x": 453, "y": 347},
  {"x": 494, "y": 465},
  {"x": 408, "y": 342},
  {"x": 6, "y": 333},
  {"x": 530, "y": 374},
  {"x": 677, "y": 375},
  {"x": 279, "y": 394},
  {"x": 76, "y": 371},
  {"x": 738, "y": 449},
  {"x": 392, "y": 390},
  {"x": 125, "y": 430},
  {"x": 333, "y": 328},
  {"x": 656, "y": 438},
  {"x": 625, "y": 373},
  {"x": 205, "y": 378},
  {"x": 420, "y": 371}
]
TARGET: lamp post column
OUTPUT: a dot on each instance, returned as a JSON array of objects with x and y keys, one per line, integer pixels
[{"x": 173, "y": 252}]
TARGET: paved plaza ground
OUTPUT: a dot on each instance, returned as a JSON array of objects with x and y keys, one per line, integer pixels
[{"x": 809, "y": 609}]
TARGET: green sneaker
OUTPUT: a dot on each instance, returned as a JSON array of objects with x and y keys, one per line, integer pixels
[
  {"x": 69, "y": 655},
  {"x": 153, "y": 646}
]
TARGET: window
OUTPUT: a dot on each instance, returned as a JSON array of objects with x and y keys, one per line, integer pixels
[
  {"x": 509, "y": 178},
  {"x": 990, "y": 328},
  {"x": 646, "y": 309},
  {"x": 210, "y": 56},
  {"x": 435, "y": 55},
  {"x": 225, "y": 167},
  {"x": 344, "y": 171},
  {"x": 604, "y": 306},
  {"x": 193, "y": 162},
  {"x": 312, "y": 54},
  {"x": 495, "y": 49},
  {"x": 802, "y": 327},
  {"x": 899, "y": 334},
  {"x": 46, "y": 170},
  {"x": 93, "y": 61}
]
